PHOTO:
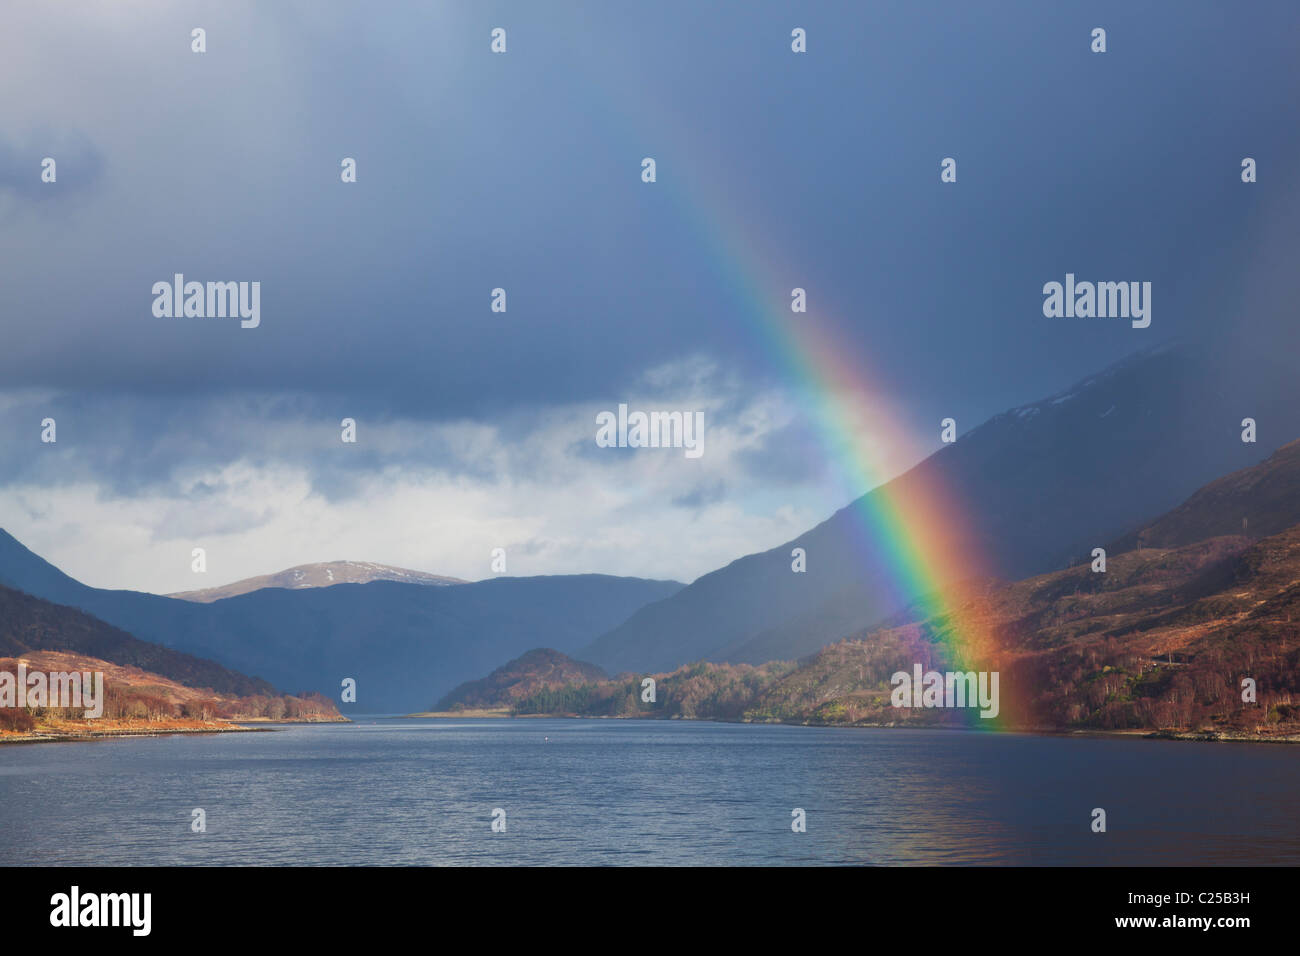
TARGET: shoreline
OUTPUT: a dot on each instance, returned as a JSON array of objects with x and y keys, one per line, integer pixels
[
  {"x": 55, "y": 735},
  {"x": 66, "y": 736},
  {"x": 1139, "y": 733},
  {"x": 70, "y": 735}
]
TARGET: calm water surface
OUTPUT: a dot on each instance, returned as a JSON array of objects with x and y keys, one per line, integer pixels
[{"x": 383, "y": 791}]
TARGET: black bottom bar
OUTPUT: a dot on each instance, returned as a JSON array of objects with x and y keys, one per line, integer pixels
[{"x": 646, "y": 906}]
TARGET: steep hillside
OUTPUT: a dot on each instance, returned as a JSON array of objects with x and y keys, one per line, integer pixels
[
  {"x": 1038, "y": 485},
  {"x": 1254, "y": 502},
  {"x": 133, "y": 701},
  {"x": 28, "y": 624},
  {"x": 1161, "y": 640}
]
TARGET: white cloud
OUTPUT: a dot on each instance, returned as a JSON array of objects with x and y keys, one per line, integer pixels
[{"x": 436, "y": 496}]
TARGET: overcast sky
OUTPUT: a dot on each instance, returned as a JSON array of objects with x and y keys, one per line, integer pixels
[{"x": 522, "y": 170}]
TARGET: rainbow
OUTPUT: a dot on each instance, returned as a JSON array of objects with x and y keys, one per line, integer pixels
[
  {"x": 919, "y": 526},
  {"x": 921, "y": 530}
]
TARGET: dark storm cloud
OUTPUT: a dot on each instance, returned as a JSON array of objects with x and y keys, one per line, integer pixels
[
  {"x": 131, "y": 445},
  {"x": 522, "y": 171},
  {"x": 79, "y": 164}
]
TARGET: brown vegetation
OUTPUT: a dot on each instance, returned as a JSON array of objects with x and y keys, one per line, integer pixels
[
  {"x": 139, "y": 701},
  {"x": 1161, "y": 641}
]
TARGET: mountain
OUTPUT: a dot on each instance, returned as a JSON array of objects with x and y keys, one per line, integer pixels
[
  {"x": 1161, "y": 640},
  {"x": 539, "y": 668},
  {"x": 404, "y": 644},
  {"x": 1038, "y": 485},
  {"x": 29, "y": 625},
  {"x": 323, "y": 575}
]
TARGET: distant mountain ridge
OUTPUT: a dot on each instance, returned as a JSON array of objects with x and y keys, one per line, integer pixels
[
  {"x": 320, "y": 575},
  {"x": 403, "y": 644}
]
